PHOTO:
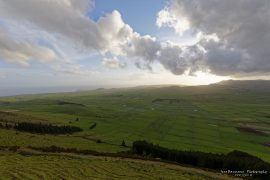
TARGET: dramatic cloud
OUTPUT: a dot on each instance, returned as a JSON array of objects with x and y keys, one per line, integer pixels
[
  {"x": 242, "y": 27},
  {"x": 108, "y": 34},
  {"x": 22, "y": 52},
  {"x": 234, "y": 35},
  {"x": 113, "y": 63},
  {"x": 143, "y": 46},
  {"x": 177, "y": 59}
]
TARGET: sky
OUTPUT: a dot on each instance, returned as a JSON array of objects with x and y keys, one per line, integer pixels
[{"x": 65, "y": 45}]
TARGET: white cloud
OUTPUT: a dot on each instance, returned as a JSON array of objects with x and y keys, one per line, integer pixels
[
  {"x": 64, "y": 17},
  {"x": 108, "y": 35},
  {"x": 234, "y": 38},
  {"x": 115, "y": 32},
  {"x": 167, "y": 19},
  {"x": 23, "y": 52},
  {"x": 113, "y": 63},
  {"x": 236, "y": 33},
  {"x": 68, "y": 18}
]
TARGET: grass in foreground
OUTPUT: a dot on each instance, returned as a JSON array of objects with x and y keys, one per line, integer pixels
[{"x": 73, "y": 167}]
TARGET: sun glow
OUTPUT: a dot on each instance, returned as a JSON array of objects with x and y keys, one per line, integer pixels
[
  {"x": 203, "y": 78},
  {"x": 165, "y": 77}
]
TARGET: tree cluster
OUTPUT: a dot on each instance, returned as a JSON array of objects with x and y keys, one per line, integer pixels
[
  {"x": 235, "y": 160},
  {"x": 45, "y": 128}
]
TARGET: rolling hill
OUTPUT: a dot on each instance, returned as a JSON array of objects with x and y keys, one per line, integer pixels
[{"x": 218, "y": 118}]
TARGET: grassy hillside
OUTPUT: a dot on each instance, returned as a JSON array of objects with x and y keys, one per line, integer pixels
[
  {"x": 73, "y": 167},
  {"x": 216, "y": 118}
]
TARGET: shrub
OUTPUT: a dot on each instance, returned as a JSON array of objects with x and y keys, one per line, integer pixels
[
  {"x": 98, "y": 141},
  {"x": 123, "y": 144},
  {"x": 93, "y": 126}
]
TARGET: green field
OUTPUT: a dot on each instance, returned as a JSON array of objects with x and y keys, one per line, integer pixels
[
  {"x": 217, "y": 118},
  {"x": 54, "y": 166}
]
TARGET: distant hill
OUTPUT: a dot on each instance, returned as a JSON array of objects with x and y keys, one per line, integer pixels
[
  {"x": 228, "y": 86},
  {"x": 250, "y": 85},
  {"x": 256, "y": 85},
  {"x": 245, "y": 82},
  {"x": 220, "y": 87}
]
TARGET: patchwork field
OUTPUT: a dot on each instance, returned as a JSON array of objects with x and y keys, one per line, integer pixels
[{"x": 217, "y": 118}]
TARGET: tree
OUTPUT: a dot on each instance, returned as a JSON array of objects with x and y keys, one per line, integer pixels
[
  {"x": 93, "y": 126},
  {"x": 123, "y": 144}
]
